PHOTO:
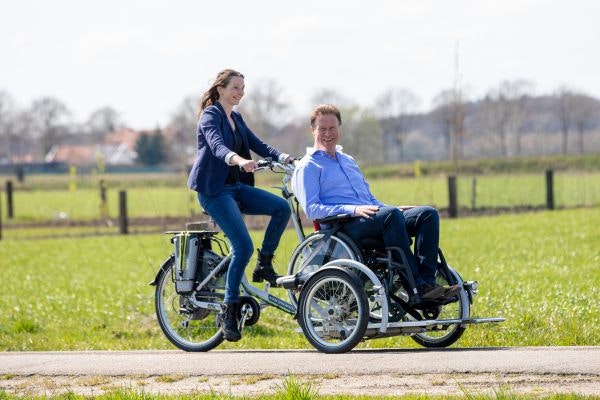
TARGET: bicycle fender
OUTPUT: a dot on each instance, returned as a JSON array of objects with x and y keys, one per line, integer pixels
[
  {"x": 162, "y": 269},
  {"x": 324, "y": 270}
]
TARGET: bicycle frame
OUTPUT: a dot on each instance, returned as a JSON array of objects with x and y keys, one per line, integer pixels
[
  {"x": 247, "y": 288},
  {"x": 267, "y": 297}
]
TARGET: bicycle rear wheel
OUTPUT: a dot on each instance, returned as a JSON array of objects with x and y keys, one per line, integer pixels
[{"x": 186, "y": 325}]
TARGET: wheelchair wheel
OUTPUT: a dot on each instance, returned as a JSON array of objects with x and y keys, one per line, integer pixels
[
  {"x": 187, "y": 326},
  {"x": 316, "y": 251},
  {"x": 333, "y": 310},
  {"x": 445, "y": 336}
]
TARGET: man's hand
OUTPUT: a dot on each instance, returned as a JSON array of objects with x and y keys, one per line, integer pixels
[{"x": 365, "y": 211}]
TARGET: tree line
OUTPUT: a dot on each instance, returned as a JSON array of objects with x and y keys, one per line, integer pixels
[{"x": 509, "y": 120}]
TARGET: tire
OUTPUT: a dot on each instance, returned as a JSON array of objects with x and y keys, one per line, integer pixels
[
  {"x": 453, "y": 310},
  {"x": 314, "y": 252},
  {"x": 333, "y": 310},
  {"x": 186, "y": 326}
]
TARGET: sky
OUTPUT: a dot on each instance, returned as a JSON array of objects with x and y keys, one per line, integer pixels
[{"x": 142, "y": 58}]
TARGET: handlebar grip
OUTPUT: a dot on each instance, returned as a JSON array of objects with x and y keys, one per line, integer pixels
[{"x": 264, "y": 163}]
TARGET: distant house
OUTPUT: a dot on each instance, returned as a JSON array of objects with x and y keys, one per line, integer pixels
[
  {"x": 72, "y": 154},
  {"x": 11, "y": 159},
  {"x": 118, "y": 149}
]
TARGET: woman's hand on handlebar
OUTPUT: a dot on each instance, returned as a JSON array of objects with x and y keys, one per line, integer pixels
[
  {"x": 245, "y": 165},
  {"x": 253, "y": 166}
]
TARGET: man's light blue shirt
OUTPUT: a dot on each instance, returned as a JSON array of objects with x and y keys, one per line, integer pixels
[{"x": 326, "y": 186}]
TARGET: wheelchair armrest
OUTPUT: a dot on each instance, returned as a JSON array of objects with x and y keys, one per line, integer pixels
[{"x": 334, "y": 218}]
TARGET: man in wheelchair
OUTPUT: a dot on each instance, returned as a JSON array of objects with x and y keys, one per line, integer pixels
[{"x": 328, "y": 182}]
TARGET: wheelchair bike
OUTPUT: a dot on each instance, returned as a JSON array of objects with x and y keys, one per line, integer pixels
[{"x": 341, "y": 292}]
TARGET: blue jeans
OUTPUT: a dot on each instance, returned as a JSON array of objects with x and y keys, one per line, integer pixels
[
  {"x": 395, "y": 227},
  {"x": 227, "y": 207}
]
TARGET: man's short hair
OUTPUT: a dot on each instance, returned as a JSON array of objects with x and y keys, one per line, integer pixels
[{"x": 324, "y": 109}]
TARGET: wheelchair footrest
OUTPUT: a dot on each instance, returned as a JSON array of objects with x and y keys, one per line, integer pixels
[{"x": 409, "y": 327}]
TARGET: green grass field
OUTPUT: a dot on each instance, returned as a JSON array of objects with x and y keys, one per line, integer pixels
[
  {"x": 539, "y": 270},
  {"x": 507, "y": 191}
]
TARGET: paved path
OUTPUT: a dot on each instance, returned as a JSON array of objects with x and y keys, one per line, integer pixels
[
  {"x": 538, "y": 360},
  {"x": 582, "y": 364}
]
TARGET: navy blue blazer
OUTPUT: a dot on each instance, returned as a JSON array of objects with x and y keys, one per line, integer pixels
[{"x": 215, "y": 141}]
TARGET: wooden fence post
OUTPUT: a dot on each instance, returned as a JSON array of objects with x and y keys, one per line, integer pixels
[
  {"x": 10, "y": 212},
  {"x": 452, "y": 197},
  {"x": 103, "y": 202},
  {"x": 20, "y": 172},
  {"x": 123, "y": 212},
  {"x": 550, "y": 189},
  {"x": 474, "y": 194}
]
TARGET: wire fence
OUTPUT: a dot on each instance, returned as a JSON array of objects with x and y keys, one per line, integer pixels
[{"x": 100, "y": 209}]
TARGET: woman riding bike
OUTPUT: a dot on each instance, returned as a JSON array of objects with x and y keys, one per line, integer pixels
[{"x": 222, "y": 176}]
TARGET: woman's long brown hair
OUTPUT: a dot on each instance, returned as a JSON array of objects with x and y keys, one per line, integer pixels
[{"x": 211, "y": 96}]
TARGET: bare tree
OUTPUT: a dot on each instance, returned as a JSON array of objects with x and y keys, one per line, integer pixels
[
  {"x": 565, "y": 105},
  {"x": 330, "y": 96},
  {"x": 583, "y": 109},
  {"x": 184, "y": 122},
  {"x": 298, "y": 136},
  {"x": 520, "y": 92},
  {"x": 50, "y": 118},
  {"x": 7, "y": 134},
  {"x": 458, "y": 127},
  {"x": 450, "y": 116},
  {"x": 16, "y": 128},
  {"x": 442, "y": 117},
  {"x": 504, "y": 110},
  {"x": 7, "y": 106},
  {"x": 396, "y": 109},
  {"x": 265, "y": 109},
  {"x": 103, "y": 121},
  {"x": 361, "y": 135}
]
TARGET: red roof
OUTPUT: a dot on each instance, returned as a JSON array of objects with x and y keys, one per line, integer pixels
[
  {"x": 74, "y": 154},
  {"x": 124, "y": 135}
]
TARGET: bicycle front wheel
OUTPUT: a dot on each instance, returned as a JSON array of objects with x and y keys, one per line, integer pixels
[
  {"x": 188, "y": 326},
  {"x": 333, "y": 311}
]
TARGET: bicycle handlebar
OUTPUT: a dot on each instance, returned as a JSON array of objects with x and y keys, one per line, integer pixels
[{"x": 271, "y": 164}]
